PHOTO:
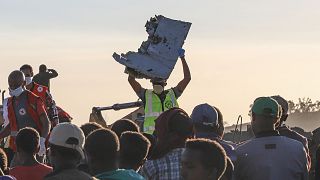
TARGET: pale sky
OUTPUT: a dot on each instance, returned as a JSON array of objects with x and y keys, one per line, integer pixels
[{"x": 236, "y": 50}]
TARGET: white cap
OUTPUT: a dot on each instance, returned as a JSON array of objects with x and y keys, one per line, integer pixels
[{"x": 68, "y": 135}]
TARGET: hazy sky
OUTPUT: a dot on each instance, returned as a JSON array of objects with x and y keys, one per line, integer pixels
[{"x": 236, "y": 50}]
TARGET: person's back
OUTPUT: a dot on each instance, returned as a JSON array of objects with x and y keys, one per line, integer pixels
[
  {"x": 27, "y": 167},
  {"x": 271, "y": 158},
  {"x": 70, "y": 174},
  {"x": 285, "y": 131},
  {"x": 37, "y": 171}
]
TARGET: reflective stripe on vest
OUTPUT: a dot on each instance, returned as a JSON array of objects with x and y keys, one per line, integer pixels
[
  {"x": 31, "y": 109},
  {"x": 153, "y": 108}
]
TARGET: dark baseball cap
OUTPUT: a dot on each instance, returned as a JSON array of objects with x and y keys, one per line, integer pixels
[
  {"x": 266, "y": 106},
  {"x": 205, "y": 114}
]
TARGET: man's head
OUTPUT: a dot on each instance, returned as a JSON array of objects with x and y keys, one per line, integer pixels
[
  {"x": 284, "y": 106},
  {"x": 89, "y": 127},
  {"x": 27, "y": 142},
  {"x": 158, "y": 85},
  {"x": 16, "y": 79},
  {"x": 203, "y": 159},
  {"x": 66, "y": 145},
  {"x": 42, "y": 68},
  {"x": 207, "y": 119},
  {"x": 28, "y": 72},
  {"x": 134, "y": 149},
  {"x": 172, "y": 129},
  {"x": 124, "y": 125},
  {"x": 102, "y": 150},
  {"x": 265, "y": 113}
]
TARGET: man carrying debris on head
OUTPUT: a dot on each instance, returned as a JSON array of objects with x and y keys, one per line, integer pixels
[{"x": 159, "y": 100}]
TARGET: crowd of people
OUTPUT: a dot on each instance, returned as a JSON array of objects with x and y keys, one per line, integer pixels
[{"x": 172, "y": 144}]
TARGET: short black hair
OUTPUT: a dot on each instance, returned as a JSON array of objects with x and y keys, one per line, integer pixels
[
  {"x": 3, "y": 161},
  {"x": 42, "y": 68},
  {"x": 26, "y": 67},
  {"x": 212, "y": 154},
  {"x": 102, "y": 145},
  {"x": 124, "y": 125},
  {"x": 134, "y": 148},
  {"x": 87, "y": 128},
  {"x": 68, "y": 154},
  {"x": 181, "y": 125},
  {"x": 27, "y": 140}
]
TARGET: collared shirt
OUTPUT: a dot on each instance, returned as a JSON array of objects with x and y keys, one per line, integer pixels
[
  {"x": 270, "y": 156},
  {"x": 70, "y": 174},
  {"x": 165, "y": 168},
  {"x": 227, "y": 146},
  {"x": 120, "y": 174}
]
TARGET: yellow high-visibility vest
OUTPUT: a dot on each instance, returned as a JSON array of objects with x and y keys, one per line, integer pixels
[{"x": 153, "y": 108}]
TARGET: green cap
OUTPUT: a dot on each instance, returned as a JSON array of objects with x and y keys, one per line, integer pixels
[{"x": 266, "y": 106}]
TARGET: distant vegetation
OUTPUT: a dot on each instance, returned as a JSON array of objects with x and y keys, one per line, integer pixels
[{"x": 304, "y": 105}]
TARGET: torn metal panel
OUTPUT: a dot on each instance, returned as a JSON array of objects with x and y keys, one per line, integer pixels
[{"x": 158, "y": 55}]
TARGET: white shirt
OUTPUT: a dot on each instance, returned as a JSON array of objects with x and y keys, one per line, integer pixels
[{"x": 271, "y": 158}]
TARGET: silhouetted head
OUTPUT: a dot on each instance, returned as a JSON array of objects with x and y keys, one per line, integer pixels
[
  {"x": 16, "y": 79},
  {"x": 265, "y": 113},
  {"x": 27, "y": 142},
  {"x": 134, "y": 149},
  {"x": 203, "y": 159},
  {"x": 158, "y": 85},
  {"x": 89, "y": 127},
  {"x": 66, "y": 146},
  {"x": 27, "y": 70},
  {"x": 102, "y": 149},
  {"x": 124, "y": 125},
  {"x": 172, "y": 129},
  {"x": 208, "y": 119},
  {"x": 284, "y": 106},
  {"x": 42, "y": 68}
]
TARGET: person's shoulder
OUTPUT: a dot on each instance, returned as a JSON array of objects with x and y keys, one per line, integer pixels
[
  {"x": 285, "y": 131},
  {"x": 6, "y": 177},
  {"x": 291, "y": 142},
  {"x": 130, "y": 174},
  {"x": 45, "y": 167},
  {"x": 68, "y": 174}
]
